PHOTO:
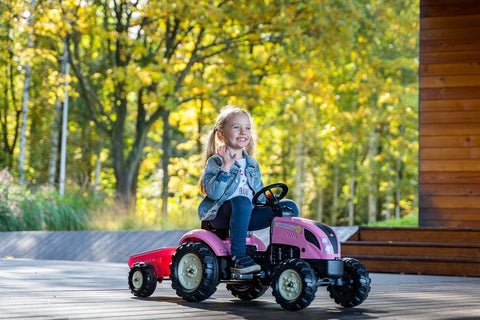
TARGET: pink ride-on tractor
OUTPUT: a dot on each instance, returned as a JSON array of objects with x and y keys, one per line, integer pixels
[{"x": 301, "y": 256}]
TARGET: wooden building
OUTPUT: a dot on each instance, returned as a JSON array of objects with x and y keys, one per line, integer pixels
[
  {"x": 447, "y": 241},
  {"x": 449, "y": 113}
]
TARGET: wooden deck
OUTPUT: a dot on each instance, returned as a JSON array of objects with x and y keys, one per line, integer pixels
[{"x": 47, "y": 289}]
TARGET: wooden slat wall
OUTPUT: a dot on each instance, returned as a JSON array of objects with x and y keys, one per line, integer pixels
[{"x": 449, "y": 113}]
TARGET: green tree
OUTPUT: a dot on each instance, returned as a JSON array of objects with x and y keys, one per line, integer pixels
[
  {"x": 332, "y": 86},
  {"x": 148, "y": 56},
  {"x": 10, "y": 75}
]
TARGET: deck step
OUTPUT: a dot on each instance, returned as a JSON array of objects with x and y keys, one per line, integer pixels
[
  {"x": 425, "y": 266},
  {"x": 412, "y": 249},
  {"x": 448, "y": 235},
  {"x": 435, "y": 251}
]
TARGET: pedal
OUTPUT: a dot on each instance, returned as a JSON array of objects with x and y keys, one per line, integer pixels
[{"x": 247, "y": 276}]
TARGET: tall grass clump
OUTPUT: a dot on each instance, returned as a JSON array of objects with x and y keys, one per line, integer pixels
[
  {"x": 40, "y": 208},
  {"x": 47, "y": 210},
  {"x": 147, "y": 216}
]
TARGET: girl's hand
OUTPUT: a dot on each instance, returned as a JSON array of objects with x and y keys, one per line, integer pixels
[{"x": 228, "y": 159}]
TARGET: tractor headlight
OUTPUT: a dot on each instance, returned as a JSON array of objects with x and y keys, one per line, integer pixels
[{"x": 326, "y": 245}]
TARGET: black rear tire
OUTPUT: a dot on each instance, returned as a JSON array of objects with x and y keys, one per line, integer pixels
[
  {"x": 294, "y": 284},
  {"x": 356, "y": 284},
  {"x": 142, "y": 279},
  {"x": 247, "y": 291},
  {"x": 194, "y": 271}
]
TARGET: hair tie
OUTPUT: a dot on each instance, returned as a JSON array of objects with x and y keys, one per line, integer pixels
[{"x": 215, "y": 130}]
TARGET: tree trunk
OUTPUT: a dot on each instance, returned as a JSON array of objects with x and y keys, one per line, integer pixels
[
  {"x": 388, "y": 202},
  {"x": 299, "y": 177},
  {"x": 333, "y": 214},
  {"x": 23, "y": 128},
  {"x": 320, "y": 204},
  {"x": 165, "y": 161},
  {"x": 98, "y": 164},
  {"x": 397, "y": 204},
  {"x": 25, "y": 101},
  {"x": 398, "y": 178},
  {"x": 372, "y": 205},
  {"x": 351, "y": 203},
  {"x": 9, "y": 130},
  {"x": 200, "y": 126},
  {"x": 122, "y": 190},
  {"x": 118, "y": 151},
  {"x": 63, "y": 143},
  {"x": 372, "y": 186},
  {"x": 353, "y": 172},
  {"x": 126, "y": 187},
  {"x": 52, "y": 164}
]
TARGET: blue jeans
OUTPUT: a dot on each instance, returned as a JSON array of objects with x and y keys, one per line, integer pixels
[{"x": 239, "y": 215}]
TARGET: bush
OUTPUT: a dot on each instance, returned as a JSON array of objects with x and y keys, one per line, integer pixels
[
  {"x": 410, "y": 220},
  {"x": 24, "y": 209}
]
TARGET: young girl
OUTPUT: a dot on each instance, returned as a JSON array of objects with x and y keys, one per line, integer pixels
[{"x": 229, "y": 181}]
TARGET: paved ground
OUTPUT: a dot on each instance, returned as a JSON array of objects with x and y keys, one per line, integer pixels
[{"x": 46, "y": 289}]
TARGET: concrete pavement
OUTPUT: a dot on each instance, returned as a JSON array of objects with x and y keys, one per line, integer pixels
[{"x": 55, "y": 289}]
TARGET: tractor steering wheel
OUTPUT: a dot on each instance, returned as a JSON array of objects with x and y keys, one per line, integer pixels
[{"x": 272, "y": 199}]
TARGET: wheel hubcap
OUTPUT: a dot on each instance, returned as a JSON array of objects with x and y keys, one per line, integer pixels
[
  {"x": 290, "y": 285},
  {"x": 190, "y": 271},
  {"x": 137, "y": 279}
]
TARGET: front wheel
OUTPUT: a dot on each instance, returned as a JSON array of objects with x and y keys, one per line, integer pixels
[
  {"x": 142, "y": 279},
  {"x": 356, "y": 284},
  {"x": 294, "y": 284},
  {"x": 194, "y": 271}
]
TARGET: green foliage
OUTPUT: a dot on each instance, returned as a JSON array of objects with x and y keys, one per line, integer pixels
[
  {"x": 332, "y": 87},
  {"x": 24, "y": 209},
  {"x": 410, "y": 220}
]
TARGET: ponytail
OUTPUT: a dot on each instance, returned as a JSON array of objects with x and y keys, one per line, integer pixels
[{"x": 209, "y": 150}]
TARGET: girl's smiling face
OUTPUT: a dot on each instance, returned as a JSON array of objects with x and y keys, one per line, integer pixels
[{"x": 237, "y": 132}]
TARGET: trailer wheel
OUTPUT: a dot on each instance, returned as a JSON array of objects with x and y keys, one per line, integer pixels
[
  {"x": 294, "y": 284},
  {"x": 356, "y": 285},
  {"x": 247, "y": 291},
  {"x": 194, "y": 271},
  {"x": 142, "y": 279}
]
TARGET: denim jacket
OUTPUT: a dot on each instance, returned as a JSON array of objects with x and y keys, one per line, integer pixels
[{"x": 219, "y": 185}]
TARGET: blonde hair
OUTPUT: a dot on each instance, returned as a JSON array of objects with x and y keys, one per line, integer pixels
[{"x": 211, "y": 146}]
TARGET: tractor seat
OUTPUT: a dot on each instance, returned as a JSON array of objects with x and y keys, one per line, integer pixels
[{"x": 221, "y": 233}]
